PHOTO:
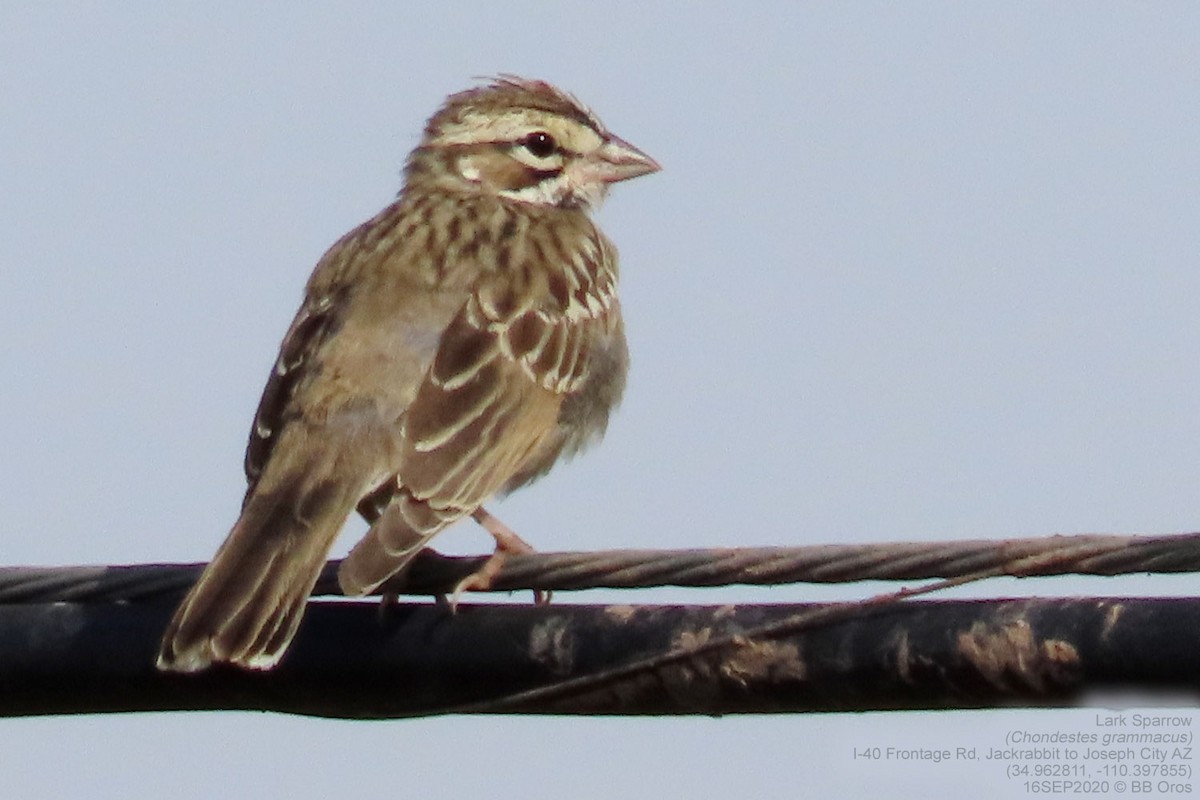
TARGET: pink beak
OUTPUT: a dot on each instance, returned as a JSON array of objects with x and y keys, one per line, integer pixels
[{"x": 618, "y": 160}]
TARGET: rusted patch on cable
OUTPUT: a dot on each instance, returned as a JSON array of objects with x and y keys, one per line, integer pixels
[
  {"x": 620, "y": 613},
  {"x": 726, "y": 611},
  {"x": 1111, "y": 618},
  {"x": 691, "y": 680},
  {"x": 1010, "y": 657},
  {"x": 764, "y": 660},
  {"x": 744, "y": 661},
  {"x": 552, "y": 645},
  {"x": 904, "y": 658}
]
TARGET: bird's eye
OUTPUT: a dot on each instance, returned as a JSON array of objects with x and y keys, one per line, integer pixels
[{"x": 540, "y": 143}]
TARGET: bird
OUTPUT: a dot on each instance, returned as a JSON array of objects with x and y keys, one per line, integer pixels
[{"x": 447, "y": 351}]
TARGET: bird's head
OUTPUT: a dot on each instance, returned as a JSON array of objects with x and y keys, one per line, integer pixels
[{"x": 527, "y": 141}]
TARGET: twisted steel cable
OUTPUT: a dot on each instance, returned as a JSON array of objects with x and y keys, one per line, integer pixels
[{"x": 433, "y": 574}]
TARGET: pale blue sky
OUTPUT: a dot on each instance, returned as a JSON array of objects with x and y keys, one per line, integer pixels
[{"x": 916, "y": 271}]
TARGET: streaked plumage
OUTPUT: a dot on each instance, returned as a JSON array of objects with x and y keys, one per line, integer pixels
[{"x": 453, "y": 347}]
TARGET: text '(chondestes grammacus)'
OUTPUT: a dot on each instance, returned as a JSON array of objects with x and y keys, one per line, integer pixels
[{"x": 451, "y": 348}]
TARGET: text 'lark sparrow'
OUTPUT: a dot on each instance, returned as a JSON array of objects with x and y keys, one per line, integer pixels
[{"x": 451, "y": 348}]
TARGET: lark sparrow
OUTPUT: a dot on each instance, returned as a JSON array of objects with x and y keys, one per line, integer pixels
[{"x": 451, "y": 348}]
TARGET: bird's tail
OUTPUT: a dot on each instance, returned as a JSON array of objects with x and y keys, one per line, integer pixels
[
  {"x": 395, "y": 539},
  {"x": 247, "y": 605}
]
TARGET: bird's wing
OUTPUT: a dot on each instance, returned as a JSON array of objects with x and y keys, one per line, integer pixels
[
  {"x": 491, "y": 396},
  {"x": 308, "y": 330},
  {"x": 488, "y": 404},
  {"x": 318, "y": 319}
]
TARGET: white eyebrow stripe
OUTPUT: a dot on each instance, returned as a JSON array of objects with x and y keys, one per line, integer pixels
[
  {"x": 512, "y": 126},
  {"x": 476, "y": 128}
]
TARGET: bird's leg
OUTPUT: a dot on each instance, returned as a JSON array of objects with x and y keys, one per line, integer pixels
[
  {"x": 506, "y": 538},
  {"x": 507, "y": 541}
]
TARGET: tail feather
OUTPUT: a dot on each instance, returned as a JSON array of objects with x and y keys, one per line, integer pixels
[
  {"x": 248, "y": 603},
  {"x": 394, "y": 540}
]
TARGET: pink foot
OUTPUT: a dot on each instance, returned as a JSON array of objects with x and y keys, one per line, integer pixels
[{"x": 507, "y": 541}]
